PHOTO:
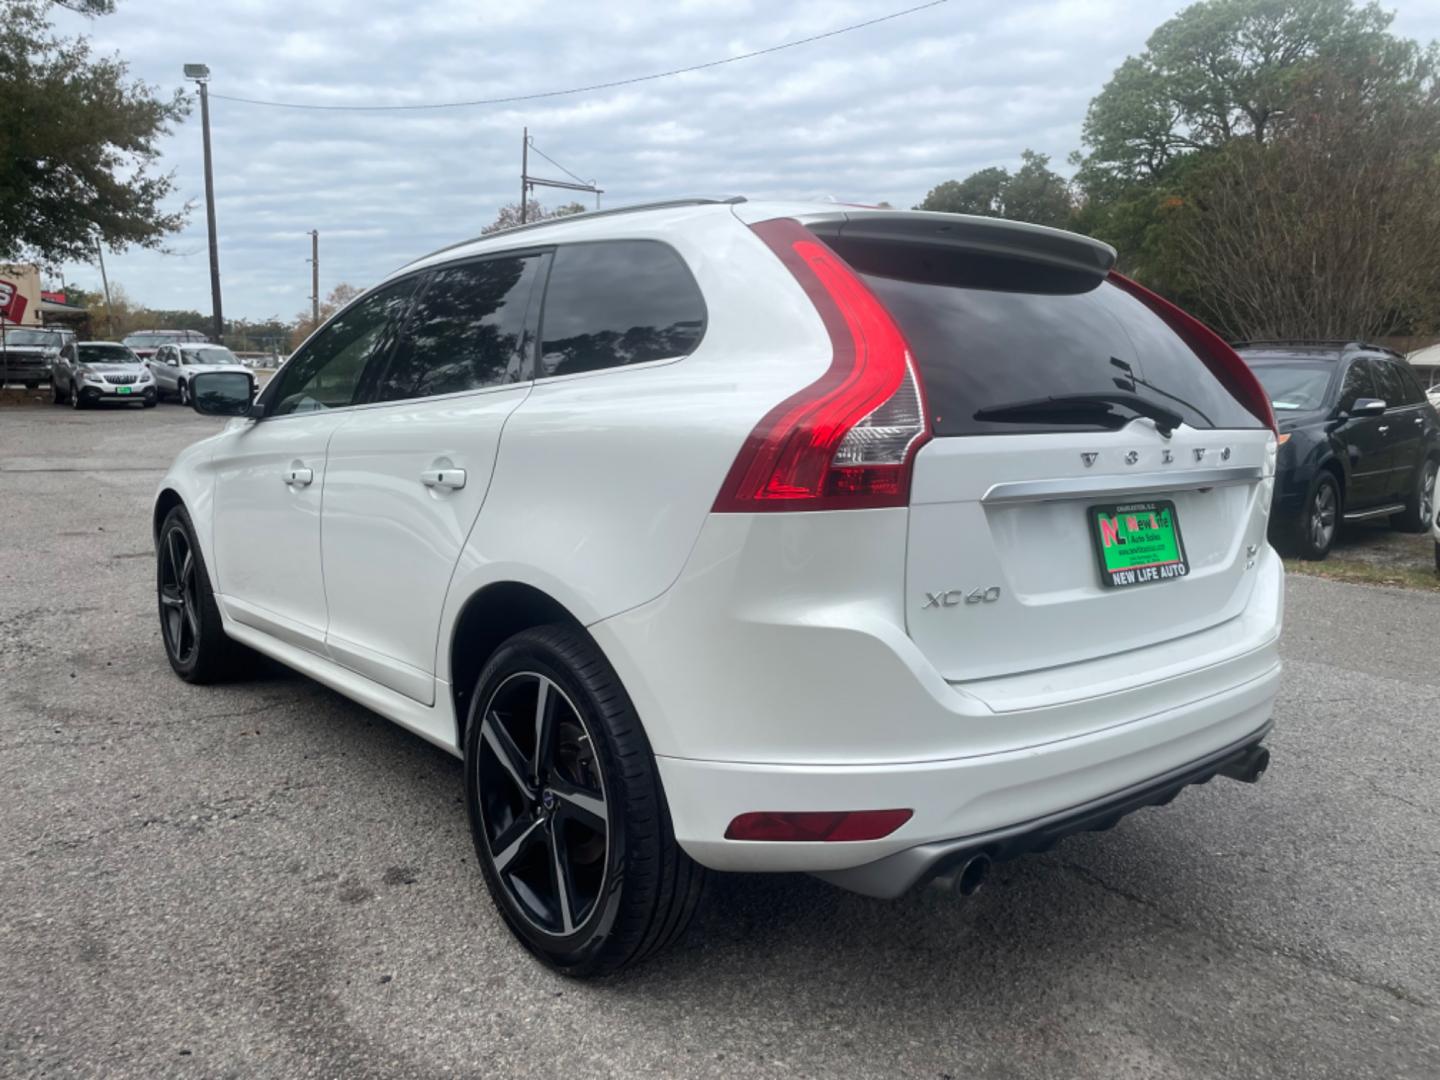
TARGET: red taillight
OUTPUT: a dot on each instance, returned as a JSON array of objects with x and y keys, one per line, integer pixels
[
  {"x": 848, "y": 440},
  {"x": 1224, "y": 362},
  {"x": 817, "y": 825}
]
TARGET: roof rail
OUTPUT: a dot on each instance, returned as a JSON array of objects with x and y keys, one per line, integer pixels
[
  {"x": 665, "y": 204},
  {"x": 1336, "y": 343}
]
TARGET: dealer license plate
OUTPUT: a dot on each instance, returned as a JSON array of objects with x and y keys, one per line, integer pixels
[{"x": 1137, "y": 543}]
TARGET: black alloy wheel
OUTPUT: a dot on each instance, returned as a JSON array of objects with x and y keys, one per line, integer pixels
[
  {"x": 543, "y": 803},
  {"x": 566, "y": 808},
  {"x": 196, "y": 644},
  {"x": 179, "y": 602}
]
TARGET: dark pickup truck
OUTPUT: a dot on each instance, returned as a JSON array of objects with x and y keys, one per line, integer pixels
[{"x": 27, "y": 353}]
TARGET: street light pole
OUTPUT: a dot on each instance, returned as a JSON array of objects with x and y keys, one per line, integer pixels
[
  {"x": 201, "y": 75},
  {"x": 314, "y": 279}
]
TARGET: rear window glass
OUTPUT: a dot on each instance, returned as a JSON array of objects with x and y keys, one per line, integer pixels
[
  {"x": 618, "y": 302},
  {"x": 990, "y": 333}
]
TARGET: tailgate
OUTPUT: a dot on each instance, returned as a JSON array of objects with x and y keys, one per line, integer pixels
[{"x": 1003, "y": 567}]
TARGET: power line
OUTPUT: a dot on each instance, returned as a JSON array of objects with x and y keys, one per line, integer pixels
[{"x": 594, "y": 86}]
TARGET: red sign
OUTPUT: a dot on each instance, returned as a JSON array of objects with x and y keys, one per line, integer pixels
[
  {"x": 12, "y": 303},
  {"x": 54, "y": 297}
]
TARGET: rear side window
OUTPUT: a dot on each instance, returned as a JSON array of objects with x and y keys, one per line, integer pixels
[
  {"x": 618, "y": 302},
  {"x": 991, "y": 333},
  {"x": 465, "y": 332},
  {"x": 1397, "y": 385}
]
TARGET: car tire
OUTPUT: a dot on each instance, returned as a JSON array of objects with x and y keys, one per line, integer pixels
[
  {"x": 1419, "y": 510},
  {"x": 1319, "y": 521},
  {"x": 194, "y": 637},
  {"x": 184, "y": 393},
  {"x": 583, "y": 864},
  {"x": 57, "y": 396},
  {"x": 1437, "y": 557},
  {"x": 148, "y": 403},
  {"x": 76, "y": 401}
]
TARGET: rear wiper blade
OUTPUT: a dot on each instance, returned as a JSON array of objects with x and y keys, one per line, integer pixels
[{"x": 1098, "y": 408}]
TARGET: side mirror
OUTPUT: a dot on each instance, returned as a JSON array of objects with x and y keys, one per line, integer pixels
[
  {"x": 1367, "y": 406},
  {"x": 222, "y": 393}
]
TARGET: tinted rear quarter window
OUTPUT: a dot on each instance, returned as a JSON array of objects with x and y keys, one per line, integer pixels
[
  {"x": 990, "y": 332},
  {"x": 618, "y": 302},
  {"x": 1399, "y": 384}
]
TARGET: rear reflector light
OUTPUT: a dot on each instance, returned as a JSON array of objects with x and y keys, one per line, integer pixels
[
  {"x": 1224, "y": 362},
  {"x": 848, "y": 440},
  {"x": 821, "y": 826}
]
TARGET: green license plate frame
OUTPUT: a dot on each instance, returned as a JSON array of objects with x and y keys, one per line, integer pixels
[
  {"x": 1137, "y": 543},
  {"x": 123, "y": 389}
]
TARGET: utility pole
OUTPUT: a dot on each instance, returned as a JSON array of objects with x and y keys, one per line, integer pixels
[
  {"x": 315, "y": 278},
  {"x": 528, "y": 182},
  {"x": 524, "y": 171},
  {"x": 105, "y": 284},
  {"x": 201, "y": 75}
]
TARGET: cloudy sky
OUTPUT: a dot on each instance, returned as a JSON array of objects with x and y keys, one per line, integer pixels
[{"x": 885, "y": 112}]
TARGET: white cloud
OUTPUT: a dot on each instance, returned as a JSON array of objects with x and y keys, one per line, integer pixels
[{"x": 883, "y": 113}]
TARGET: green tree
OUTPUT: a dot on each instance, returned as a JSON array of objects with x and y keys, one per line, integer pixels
[
  {"x": 1329, "y": 230},
  {"x": 1032, "y": 193},
  {"x": 78, "y": 144},
  {"x": 1235, "y": 92},
  {"x": 1227, "y": 68}
]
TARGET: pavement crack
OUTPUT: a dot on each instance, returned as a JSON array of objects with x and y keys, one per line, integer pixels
[{"x": 1237, "y": 944}]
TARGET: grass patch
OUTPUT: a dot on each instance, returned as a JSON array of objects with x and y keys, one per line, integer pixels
[{"x": 1366, "y": 573}]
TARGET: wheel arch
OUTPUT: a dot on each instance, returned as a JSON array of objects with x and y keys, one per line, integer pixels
[
  {"x": 490, "y": 616},
  {"x": 1335, "y": 468},
  {"x": 165, "y": 501}
]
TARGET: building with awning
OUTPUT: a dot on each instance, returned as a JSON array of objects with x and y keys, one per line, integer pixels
[
  {"x": 55, "y": 310},
  {"x": 1426, "y": 363}
]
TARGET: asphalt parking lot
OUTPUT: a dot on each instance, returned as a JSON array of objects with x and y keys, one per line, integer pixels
[{"x": 266, "y": 880}]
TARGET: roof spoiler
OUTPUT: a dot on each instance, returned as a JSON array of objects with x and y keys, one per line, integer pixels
[{"x": 965, "y": 232}]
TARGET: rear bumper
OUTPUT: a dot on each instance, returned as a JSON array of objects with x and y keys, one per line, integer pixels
[
  {"x": 889, "y": 877},
  {"x": 958, "y": 804}
]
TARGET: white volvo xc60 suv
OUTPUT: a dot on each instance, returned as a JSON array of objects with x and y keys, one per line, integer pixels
[{"x": 724, "y": 535}]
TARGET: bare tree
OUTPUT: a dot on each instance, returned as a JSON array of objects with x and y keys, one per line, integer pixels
[{"x": 1330, "y": 231}]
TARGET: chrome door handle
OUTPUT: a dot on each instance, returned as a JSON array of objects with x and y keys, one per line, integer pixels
[
  {"x": 299, "y": 477},
  {"x": 449, "y": 479},
  {"x": 1419, "y": 420},
  {"x": 1384, "y": 428}
]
